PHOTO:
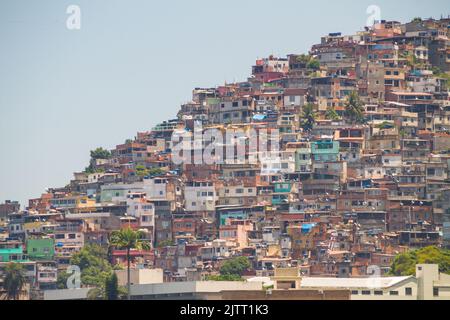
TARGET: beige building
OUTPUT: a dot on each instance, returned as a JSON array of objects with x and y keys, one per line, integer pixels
[
  {"x": 427, "y": 284},
  {"x": 432, "y": 284},
  {"x": 140, "y": 276}
]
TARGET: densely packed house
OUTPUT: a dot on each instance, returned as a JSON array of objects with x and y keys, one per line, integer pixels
[{"x": 361, "y": 131}]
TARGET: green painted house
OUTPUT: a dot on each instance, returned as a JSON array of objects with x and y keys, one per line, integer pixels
[
  {"x": 12, "y": 255},
  {"x": 232, "y": 215},
  {"x": 325, "y": 150},
  {"x": 282, "y": 187},
  {"x": 41, "y": 249},
  {"x": 281, "y": 192}
]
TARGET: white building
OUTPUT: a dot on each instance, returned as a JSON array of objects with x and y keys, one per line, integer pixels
[
  {"x": 200, "y": 196},
  {"x": 427, "y": 284},
  {"x": 141, "y": 209}
]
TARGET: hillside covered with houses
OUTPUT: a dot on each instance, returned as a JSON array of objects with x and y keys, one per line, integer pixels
[{"x": 360, "y": 126}]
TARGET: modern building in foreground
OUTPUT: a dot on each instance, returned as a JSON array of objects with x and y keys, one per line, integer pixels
[
  {"x": 427, "y": 284},
  {"x": 287, "y": 284},
  {"x": 208, "y": 290},
  {"x": 196, "y": 290}
]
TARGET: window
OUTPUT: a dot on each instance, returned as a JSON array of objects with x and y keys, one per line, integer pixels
[
  {"x": 378, "y": 293},
  {"x": 366, "y": 292},
  {"x": 393, "y": 293},
  {"x": 436, "y": 292},
  {"x": 408, "y": 291},
  {"x": 355, "y": 292}
]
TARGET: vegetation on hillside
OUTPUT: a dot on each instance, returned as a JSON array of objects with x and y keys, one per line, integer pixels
[
  {"x": 14, "y": 281},
  {"x": 308, "y": 117},
  {"x": 405, "y": 264},
  {"x": 94, "y": 266},
  {"x": 354, "y": 108}
]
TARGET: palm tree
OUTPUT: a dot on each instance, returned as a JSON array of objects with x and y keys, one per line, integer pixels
[
  {"x": 354, "y": 108},
  {"x": 14, "y": 280},
  {"x": 309, "y": 116},
  {"x": 331, "y": 114},
  {"x": 129, "y": 239}
]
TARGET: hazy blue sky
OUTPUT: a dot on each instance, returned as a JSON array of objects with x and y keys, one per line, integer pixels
[{"x": 63, "y": 92}]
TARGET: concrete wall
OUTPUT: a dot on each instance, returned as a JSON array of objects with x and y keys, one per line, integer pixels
[
  {"x": 191, "y": 288},
  {"x": 287, "y": 295},
  {"x": 140, "y": 276},
  {"x": 66, "y": 294}
]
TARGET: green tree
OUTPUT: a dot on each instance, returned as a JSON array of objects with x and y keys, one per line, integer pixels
[
  {"x": 129, "y": 239},
  {"x": 14, "y": 280},
  {"x": 109, "y": 290},
  {"x": 100, "y": 153},
  {"x": 303, "y": 58},
  {"x": 155, "y": 171},
  {"x": 331, "y": 114},
  {"x": 354, "y": 108},
  {"x": 405, "y": 264},
  {"x": 141, "y": 170},
  {"x": 308, "y": 61},
  {"x": 112, "y": 287},
  {"x": 97, "y": 154},
  {"x": 308, "y": 117},
  {"x": 445, "y": 77},
  {"x": 165, "y": 243},
  {"x": 235, "y": 267},
  {"x": 313, "y": 64},
  {"x": 92, "y": 169},
  {"x": 94, "y": 266},
  {"x": 402, "y": 133}
]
